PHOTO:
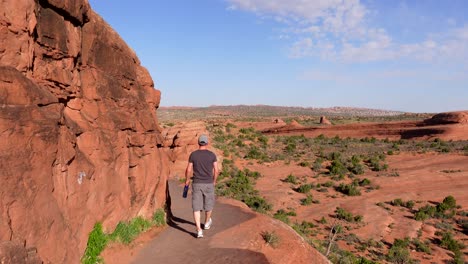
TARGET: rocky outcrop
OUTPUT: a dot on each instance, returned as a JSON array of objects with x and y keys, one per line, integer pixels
[
  {"x": 324, "y": 121},
  {"x": 460, "y": 117},
  {"x": 179, "y": 141},
  {"x": 80, "y": 139}
]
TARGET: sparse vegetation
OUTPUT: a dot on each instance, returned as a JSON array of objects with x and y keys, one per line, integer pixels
[
  {"x": 291, "y": 179},
  {"x": 125, "y": 232},
  {"x": 271, "y": 238},
  {"x": 399, "y": 252},
  {"x": 342, "y": 214},
  {"x": 348, "y": 165},
  {"x": 348, "y": 189},
  {"x": 239, "y": 184},
  {"x": 439, "y": 211}
]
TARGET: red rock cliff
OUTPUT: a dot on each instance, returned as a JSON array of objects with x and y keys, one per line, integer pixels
[{"x": 80, "y": 141}]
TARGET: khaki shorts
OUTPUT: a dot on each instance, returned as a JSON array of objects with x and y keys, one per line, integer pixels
[{"x": 203, "y": 197}]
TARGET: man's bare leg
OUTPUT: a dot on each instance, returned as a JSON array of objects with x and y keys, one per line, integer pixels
[
  {"x": 207, "y": 216},
  {"x": 196, "y": 217}
]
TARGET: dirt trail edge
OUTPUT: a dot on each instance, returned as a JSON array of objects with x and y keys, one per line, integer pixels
[{"x": 178, "y": 244}]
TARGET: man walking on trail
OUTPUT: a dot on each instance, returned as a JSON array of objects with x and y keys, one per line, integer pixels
[{"x": 204, "y": 165}]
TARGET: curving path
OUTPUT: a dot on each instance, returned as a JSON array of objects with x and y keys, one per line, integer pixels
[{"x": 178, "y": 244}]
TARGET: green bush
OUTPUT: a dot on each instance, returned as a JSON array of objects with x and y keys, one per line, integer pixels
[
  {"x": 258, "y": 204},
  {"x": 318, "y": 164},
  {"x": 97, "y": 241},
  {"x": 450, "y": 202},
  {"x": 291, "y": 179},
  {"x": 364, "y": 182},
  {"x": 420, "y": 246},
  {"x": 337, "y": 168},
  {"x": 282, "y": 215},
  {"x": 126, "y": 232},
  {"x": 304, "y": 188},
  {"x": 448, "y": 242},
  {"x": 399, "y": 255},
  {"x": 348, "y": 189},
  {"x": 303, "y": 228},
  {"x": 308, "y": 200},
  {"x": 159, "y": 217},
  {"x": 347, "y": 216}
]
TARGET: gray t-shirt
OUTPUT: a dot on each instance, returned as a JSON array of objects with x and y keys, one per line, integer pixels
[{"x": 202, "y": 160}]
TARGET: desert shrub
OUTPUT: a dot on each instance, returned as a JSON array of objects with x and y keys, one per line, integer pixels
[
  {"x": 263, "y": 140},
  {"x": 409, "y": 204},
  {"x": 425, "y": 212},
  {"x": 308, "y": 200},
  {"x": 258, "y": 204},
  {"x": 357, "y": 169},
  {"x": 159, "y": 217},
  {"x": 291, "y": 179},
  {"x": 448, "y": 242},
  {"x": 271, "y": 238},
  {"x": 239, "y": 185},
  {"x": 303, "y": 228},
  {"x": 255, "y": 153},
  {"x": 247, "y": 130},
  {"x": 421, "y": 246},
  {"x": 97, "y": 241},
  {"x": 345, "y": 257},
  {"x": 397, "y": 202},
  {"x": 347, "y": 216},
  {"x": 348, "y": 189},
  {"x": 375, "y": 163},
  {"x": 399, "y": 255},
  {"x": 317, "y": 164},
  {"x": 328, "y": 184},
  {"x": 364, "y": 182},
  {"x": 304, "y": 164},
  {"x": 323, "y": 220},
  {"x": 304, "y": 188},
  {"x": 126, "y": 232},
  {"x": 282, "y": 215},
  {"x": 450, "y": 202},
  {"x": 463, "y": 223},
  {"x": 368, "y": 140},
  {"x": 337, "y": 168}
]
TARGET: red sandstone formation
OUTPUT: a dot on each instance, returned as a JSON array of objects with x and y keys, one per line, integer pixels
[
  {"x": 80, "y": 140},
  {"x": 460, "y": 117},
  {"x": 324, "y": 121}
]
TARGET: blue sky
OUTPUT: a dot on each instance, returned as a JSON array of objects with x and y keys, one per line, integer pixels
[{"x": 397, "y": 55}]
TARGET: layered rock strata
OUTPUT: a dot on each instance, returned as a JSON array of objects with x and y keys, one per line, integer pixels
[{"x": 80, "y": 142}]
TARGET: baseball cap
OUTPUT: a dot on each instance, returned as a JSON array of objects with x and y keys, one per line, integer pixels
[{"x": 203, "y": 140}]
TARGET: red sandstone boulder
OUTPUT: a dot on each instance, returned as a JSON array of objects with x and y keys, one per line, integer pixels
[
  {"x": 80, "y": 139},
  {"x": 460, "y": 117}
]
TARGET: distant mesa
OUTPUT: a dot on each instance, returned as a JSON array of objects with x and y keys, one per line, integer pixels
[
  {"x": 324, "y": 121},
  {"x": 460, "y": 117}
]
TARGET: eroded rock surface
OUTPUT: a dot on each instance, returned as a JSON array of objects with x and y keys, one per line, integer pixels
[{"x": 80, "y": 142}]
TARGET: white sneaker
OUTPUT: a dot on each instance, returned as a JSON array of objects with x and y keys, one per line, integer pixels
[
  {"x": 200, "y": 234},
  {"x": 208, "y": 224}
]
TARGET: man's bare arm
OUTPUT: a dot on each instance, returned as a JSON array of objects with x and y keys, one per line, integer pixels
[
  {"x": 188, "y": 173},
  {"x": 215, "y": 172}
]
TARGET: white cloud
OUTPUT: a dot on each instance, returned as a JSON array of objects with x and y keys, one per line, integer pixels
[{"x": 341, "y": 30}]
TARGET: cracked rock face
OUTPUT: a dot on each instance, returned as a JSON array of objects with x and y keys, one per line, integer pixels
[{"x": 80, "y": 142}]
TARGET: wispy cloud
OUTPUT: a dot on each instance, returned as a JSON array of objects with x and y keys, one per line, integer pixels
[{"x": 342, "y": 30}]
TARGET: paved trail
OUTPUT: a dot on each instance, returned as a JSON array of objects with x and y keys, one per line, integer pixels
[{"x": 178, "y": 243}]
